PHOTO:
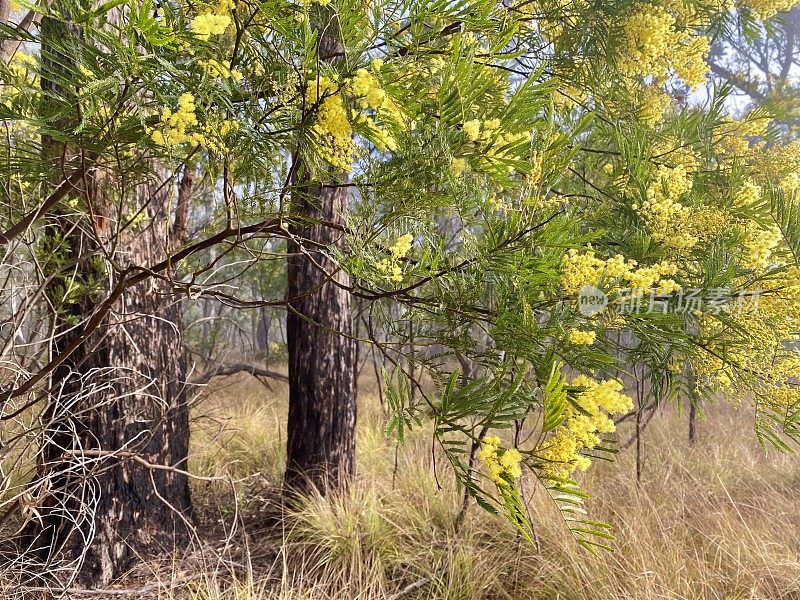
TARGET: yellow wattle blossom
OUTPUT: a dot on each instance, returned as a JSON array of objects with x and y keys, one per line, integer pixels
[
  {"x": 675, "y": 151},
  {"x": 402, "y": 246},
  {"x": 652, "y": 104},
  {"x": 218, "y": 69},
  {"x": 579, "y": 269},
  {"x": 790, "y": 184},
  {"x": 669, "y": 221},
  {"x": 648, "y": 35},
  {"x": 391, "y": 270},
  {"x": 732, "y": 138},
  {"x": 567, "y": 96},
  {"x": 181, "y": 126},
  {"x": 490, "y": 127},
  {"x": 472, "y": 129},
  {"x": 331, "y": 123},
  {"x": 762, "y": 357},
  {"x": 214, "y": 21},
  {"x": 370, "y": 96},
  {"x": 748, "y": 194},
  {"x": 177, "y": 124},
  {"x": 759, "y": 245},
  {"x": 502, "y": 464},
  {"x": 655, "y": 45},
  {"x": 366, "y": 88},
  {"x": 561, "y": 452},
  {"x": 537, "y": 165},
  {"x": 581, "y": 338},
  {"x": 691, "y": 62},
  {"x": 391, "y": 266},
  {"x": 765, "y": 9}
]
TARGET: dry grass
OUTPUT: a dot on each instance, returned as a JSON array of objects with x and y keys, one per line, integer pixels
[{"x": 717, "y": 520}]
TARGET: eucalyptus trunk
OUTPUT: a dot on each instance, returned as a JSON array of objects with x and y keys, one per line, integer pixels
[
  {"x": 322, "y": 383},
  {"x": 319, "y": 326},
  {"x": 110, "y": 482}
]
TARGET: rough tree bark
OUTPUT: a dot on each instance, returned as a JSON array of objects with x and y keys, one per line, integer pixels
[
  {"x": 322, "y": 385},
  {"x": 319, "y": 329},
  {"x": 121, "y": 393}
]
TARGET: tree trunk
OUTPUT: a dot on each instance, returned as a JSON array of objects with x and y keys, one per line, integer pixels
[
  {"x": 319, "y": 327},
  {"x": 118, "y": 401},
  {"x": 322, "y": 386},
  {"x": 261, "y": 334},
  {"x": 119, "y": 396}
]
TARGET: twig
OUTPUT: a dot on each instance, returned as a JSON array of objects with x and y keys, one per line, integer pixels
[
  {"x": 409, "y": 588},
  {"x": 136, "y": 458}
]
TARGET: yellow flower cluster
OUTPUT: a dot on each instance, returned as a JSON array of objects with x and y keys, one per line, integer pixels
[
  {"x": 213, "y": 21},
  {"x": 777, "y": 164},
  {"x": 708, "y": 222},
  {"x": 732, "y": 137},
  {"x": 459, "y": 166},
  {"x": 581, "y": 338},
  {"x": 561, "y": 452},
  {"x": 654, "y": 45},
  {"x": 177, "y": 124},
  {"x": 402, "y": 246},
  {"x": 675, "y": 151},
  {"x": 365, "y": 88},
  {"x": 502, "y": 464},
  {"x": 391, "y": 269},
  {"x": 333, "y": 129},
  {"x": 400, "y": 249},
  {"x": 690, "y": 62},
  {"x": 587, "y": 269},
  {"x": 759, "y": 246},
  {"x": 218, "y": 69},
  {"x": 181, "y": 126},
  {"x": 652, "y": 104},
  {"x": 748, "y": 194},
  {"x": 535, "y": 174},
  {"x": 765, "y": 9},
  {"x": 790, "y": 184},
  {"x": 670, "y": 222},
  {"x": 648, "y": 34},
  {"x": 497, "y": 145},
  {"x": 770, "y": 366},
  {"x": 472, "y": 129}
]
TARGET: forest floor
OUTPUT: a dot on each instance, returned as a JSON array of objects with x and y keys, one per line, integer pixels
[{"x": 718, "y": 519}]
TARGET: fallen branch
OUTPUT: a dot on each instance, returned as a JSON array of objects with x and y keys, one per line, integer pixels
[{"x": 227, "y": 370}]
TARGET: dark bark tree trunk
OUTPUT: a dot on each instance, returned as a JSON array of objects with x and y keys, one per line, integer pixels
[
  {"x": 115, "y": 428},
  {"x": 261, "y": 333},
  {"x": 319, "y": 329},
  {"x": 119, "y": 400},
  {"x": 694, "y": 398},
  {"x": 322, "y": 385}
]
